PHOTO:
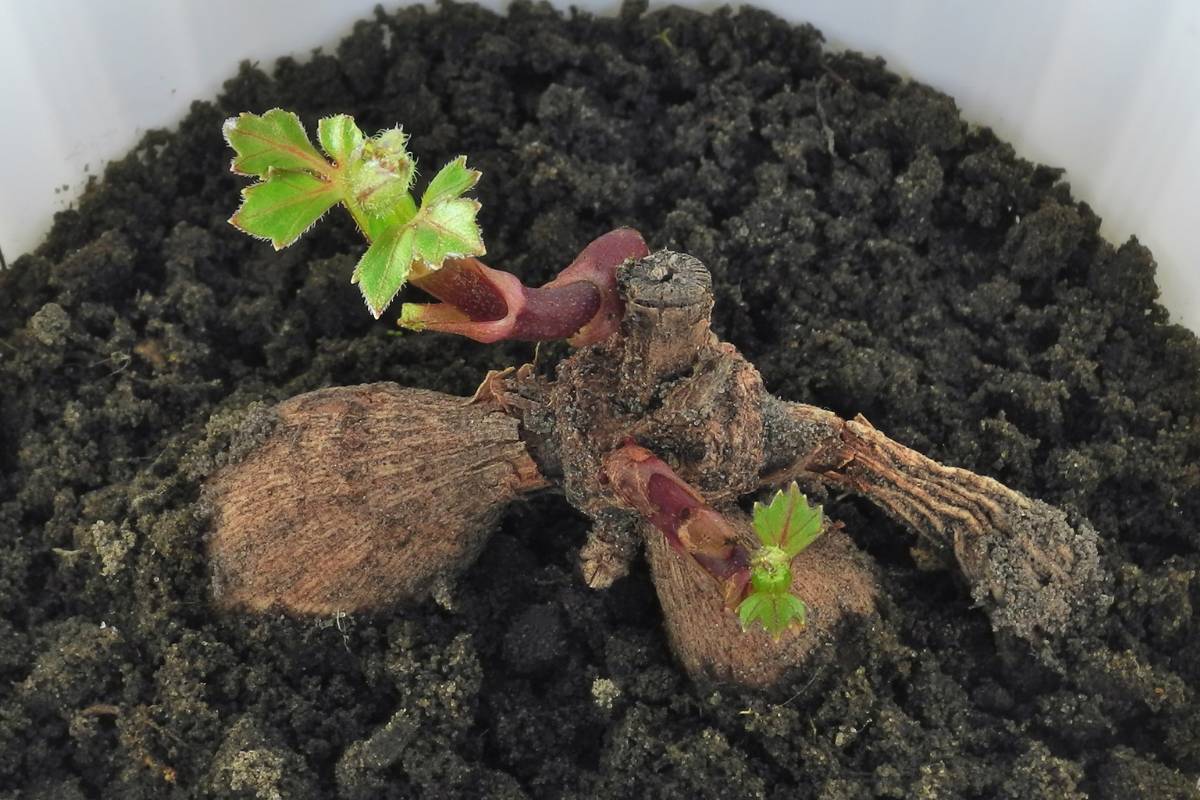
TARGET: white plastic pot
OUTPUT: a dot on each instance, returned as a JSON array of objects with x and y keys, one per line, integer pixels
[{"x": 1109, "y": 90}]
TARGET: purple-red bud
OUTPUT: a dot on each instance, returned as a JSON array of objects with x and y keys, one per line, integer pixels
[
  {"x": 581, "y": 305},
  {"x": 694, "y": 528}
]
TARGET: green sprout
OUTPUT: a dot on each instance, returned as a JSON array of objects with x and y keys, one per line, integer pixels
[
  {"x": 784, "y": 528},
  {"x": 371, "y": 177}
]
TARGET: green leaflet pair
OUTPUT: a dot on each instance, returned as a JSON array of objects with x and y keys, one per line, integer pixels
[{"x": 372, "y": 177}]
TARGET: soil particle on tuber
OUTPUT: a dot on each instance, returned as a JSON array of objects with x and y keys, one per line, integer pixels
[{"x": 870, "y": 253}]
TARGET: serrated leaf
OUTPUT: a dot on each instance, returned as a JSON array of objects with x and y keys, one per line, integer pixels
[
  {"x": 384, "y": 268},
  {"x": 450, "y": 182},
  {"x": 399, "y": 214},
  {"x": 789, "y": 610},
  {"x": 284, "y": 206},
  {"x": 787, "y": 522},
  {"x": 447, "y": 230},
  {"x": 748, "y": 609},
  {"x": 775, "y": 612},
  {"x": 340, "y": 138},
  {"x": 274, "y": 140}
]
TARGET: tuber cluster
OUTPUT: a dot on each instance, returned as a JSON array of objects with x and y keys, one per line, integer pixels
[{"x": 655, "y": 430}]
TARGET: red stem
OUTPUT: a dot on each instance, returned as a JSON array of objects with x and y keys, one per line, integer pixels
[
  {"x": 692, "y": 527},
  {"x": 581, "y": 305}
]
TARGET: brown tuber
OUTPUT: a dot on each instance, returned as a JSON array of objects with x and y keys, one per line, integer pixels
[
  {"x": 363, "y": 496},
  {"x": 832, "y": 575}
]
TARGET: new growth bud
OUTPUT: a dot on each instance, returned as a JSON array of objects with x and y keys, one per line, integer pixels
[
  {"x": 693, "y": 528},
  {"x": 382, "y": 176}
]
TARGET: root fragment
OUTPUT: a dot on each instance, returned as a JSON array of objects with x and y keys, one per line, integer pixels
[{"x": 1035, "y": 569}]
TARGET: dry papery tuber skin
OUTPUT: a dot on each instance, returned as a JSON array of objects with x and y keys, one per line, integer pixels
[{"x": 332, "y": 513}]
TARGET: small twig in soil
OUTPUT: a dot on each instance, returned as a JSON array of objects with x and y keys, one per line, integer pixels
[
  {"x": 829, "y": 136},
  {"x": 101, "y": 710}
]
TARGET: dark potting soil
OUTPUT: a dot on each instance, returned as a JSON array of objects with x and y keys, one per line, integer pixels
[{"x": 871, "y": 252}]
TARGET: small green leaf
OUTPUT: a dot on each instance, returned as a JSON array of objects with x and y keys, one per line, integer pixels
[
  {"x": 450, "y": 182},
  {"x": 748, "y": 609},
  {"x": 785, "y": 526},
  {"x": 275, "y": 140},
  {"x": 788, "y": 522},
  {"x": 340, "y": 138},
  {"x": 399, "y": 214},
  {"x": 384, "y": 268},
  {"x": 371, "y": 176},
  {"x": 447, "y": 230},
  {"x": 284, "y": 206},
  {"x": 775, "y": 612}
]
